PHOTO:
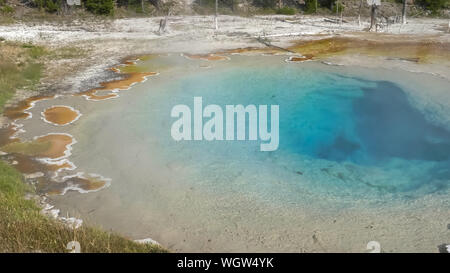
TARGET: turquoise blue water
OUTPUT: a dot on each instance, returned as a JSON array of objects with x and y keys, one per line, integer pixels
[
  {"x": 342, "y": 134},
  {"x": 363, "y": 155}
]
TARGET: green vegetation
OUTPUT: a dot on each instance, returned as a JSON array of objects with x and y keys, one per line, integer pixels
[
  {"x": 209, "y": 6},
  {"x": 19, "y": 68},
  {"x": 6, "y": 13},
  {"x": 286, "y": 11},
  {"x": 265, "y": 3},
  {"x": 6, "y": 9},
  {"x": 50, "y": 6},
  {"x": 24, "y": 229},
  {"x": 310, "y": 6},
  {"x": 130, "y": 8},
  {"x": 34, "y": 52},
  {"x": 103, "y": 7},
  {"x": 22, "y": 226},
  {"x": 338, "y": 7},
  {"x": 134, "y": 5},
  {"x": 435, "y": 6}
]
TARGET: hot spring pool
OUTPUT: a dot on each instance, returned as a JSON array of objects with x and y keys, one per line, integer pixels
[{"x": 357, "y": 148}]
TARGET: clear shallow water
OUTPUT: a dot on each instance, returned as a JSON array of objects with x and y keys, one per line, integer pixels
[{"x": 347, "y": 141}]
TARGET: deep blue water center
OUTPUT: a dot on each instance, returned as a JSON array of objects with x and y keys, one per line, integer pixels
[
  {"x": 338, "y": 131},
  {"x": 378, "y": 125}
]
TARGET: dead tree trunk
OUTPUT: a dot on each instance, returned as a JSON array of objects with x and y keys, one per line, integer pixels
[
  {"x": 163, "y": 22},
  {"x": 162, "y": 25},
  {"x": 373, "y": 17},
  {"x": 337, "y": 8},
  {"x": 63, "y": 8},
  {"x": 359, "y": 12},
  {"x": 404, "y": 12},
  {"x": 280, "y": 4},
  {"x": 215, "y": 16},
  {"x": 142, "y": 5}
]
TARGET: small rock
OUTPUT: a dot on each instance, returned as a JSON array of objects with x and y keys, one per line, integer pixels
[
  {"x": 147, "y": 241},
  {"x": 34, "y": 175}
]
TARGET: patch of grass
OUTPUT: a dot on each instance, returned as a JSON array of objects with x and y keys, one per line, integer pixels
[
  {"x": 6, "y": 19},
  {"x": 263, "y": 11},
  {"x": 32, "y": 73},
  {"x": 7, "y": 9},
  {"x": 24, "y": 229},
  {"x": 34, "y": 52},
  {"x": 20, "y": 67},
  {"x": 286, "y": 11}
]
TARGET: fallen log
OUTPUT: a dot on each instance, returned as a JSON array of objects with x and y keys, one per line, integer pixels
[{"x": 268, "y": 44}]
